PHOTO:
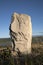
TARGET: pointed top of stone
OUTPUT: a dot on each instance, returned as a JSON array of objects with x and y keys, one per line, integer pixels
[{"x": 15, "y": 13}]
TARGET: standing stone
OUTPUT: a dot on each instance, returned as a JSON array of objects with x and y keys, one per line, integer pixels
[{"x": 21, "y": 33}]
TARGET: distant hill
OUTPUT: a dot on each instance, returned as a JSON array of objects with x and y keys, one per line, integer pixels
[
  {"x": 4, "y": 40},
  {"x": 35, "y": 39}
]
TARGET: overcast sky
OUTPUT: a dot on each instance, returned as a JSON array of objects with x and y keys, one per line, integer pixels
[{"x": 34, "y": 8}]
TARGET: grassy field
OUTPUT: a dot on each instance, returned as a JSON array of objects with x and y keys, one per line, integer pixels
[{"x": 35, "y": 58}]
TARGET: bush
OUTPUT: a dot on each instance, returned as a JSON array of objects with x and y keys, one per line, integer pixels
[{"x": 6, "y": 57}]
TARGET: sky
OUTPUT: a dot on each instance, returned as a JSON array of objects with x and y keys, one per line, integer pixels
[{"x": 33, "y": 8}]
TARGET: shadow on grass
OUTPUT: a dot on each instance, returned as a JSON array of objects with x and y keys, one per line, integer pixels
[{"x": 6, "y": 58}]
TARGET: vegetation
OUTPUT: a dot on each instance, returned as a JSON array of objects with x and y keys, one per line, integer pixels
[
  {"x": 6, "y": 58},
  {"x": 35, "y": 58}
]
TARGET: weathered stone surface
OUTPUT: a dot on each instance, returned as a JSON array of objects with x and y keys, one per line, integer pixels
[{"x": 21, "y": 32}]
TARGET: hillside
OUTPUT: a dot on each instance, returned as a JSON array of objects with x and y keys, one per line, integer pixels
[{"x": 35, "y": 39}]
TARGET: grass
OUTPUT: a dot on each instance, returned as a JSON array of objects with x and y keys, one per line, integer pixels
[
  {"x": 35, "y": 58},
  {"x": 6, "y": 58}
]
